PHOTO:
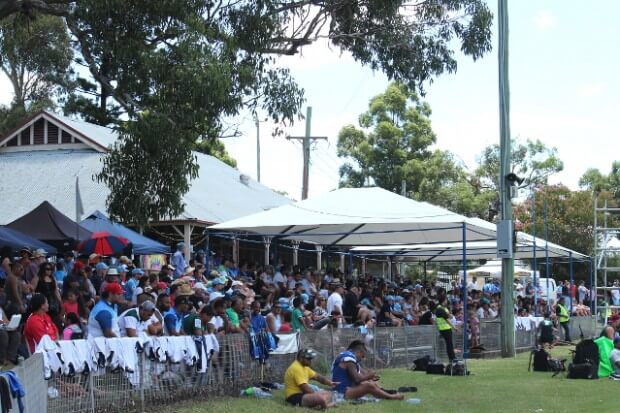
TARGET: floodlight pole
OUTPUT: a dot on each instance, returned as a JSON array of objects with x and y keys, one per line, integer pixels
[{"x": 507, "y": 309}]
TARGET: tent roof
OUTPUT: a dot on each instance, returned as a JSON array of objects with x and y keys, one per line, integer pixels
[
  {"x": 99, "y": 222},
  {"x": 361, "y": 216},
  {"x": 48, "y": 224},
  {"x": 16, "y": 240},
  {"x": 453, "y": 251}
]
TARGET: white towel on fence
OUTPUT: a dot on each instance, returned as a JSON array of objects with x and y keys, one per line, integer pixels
[{"x": 288, "y": 344}]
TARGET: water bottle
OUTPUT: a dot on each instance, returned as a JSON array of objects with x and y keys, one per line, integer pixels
[
  {"x": 256, "y": 392},
  {"x": 414, "y": 401},
  {"x": 314, "y": 387},
  {"x": 248, "y": 392},
  {"x": 261, "y": 394}
]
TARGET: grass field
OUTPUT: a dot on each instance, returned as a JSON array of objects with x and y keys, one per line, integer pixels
[{"x": 498, "y": 385}]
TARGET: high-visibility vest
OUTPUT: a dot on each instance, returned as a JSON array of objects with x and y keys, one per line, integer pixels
[
  {"x": 564, "y": 317},
  {"x": 441, "y": 322}
]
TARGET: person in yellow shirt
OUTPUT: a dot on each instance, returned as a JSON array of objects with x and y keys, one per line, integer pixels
[{"x": 297, "y": 389}]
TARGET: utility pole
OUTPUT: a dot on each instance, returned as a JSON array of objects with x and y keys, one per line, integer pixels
[
  {"x": 403, "y": 187},
  {"x": 257, "y": 123},
  {"x": 306, "y": 151},
  {"x": 507, "y": 309}
]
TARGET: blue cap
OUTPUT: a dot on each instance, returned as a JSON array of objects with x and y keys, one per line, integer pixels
[
  {"x": 389, "y": 298},
  {"x": 101, "y": 266},
  {"x": 137, "y": 271},
  {"x": 122, "y": 268},
  {"x": 217, "y": 281}
]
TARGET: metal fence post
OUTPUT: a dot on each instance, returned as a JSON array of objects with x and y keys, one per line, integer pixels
[
  {"x": 141, "y": 364},
  {"x": 331, "y": 337},
  {"x": 406, "y": 346},
  {"x": 374, "y": 348},
  {"x": 91, "y": 384}
]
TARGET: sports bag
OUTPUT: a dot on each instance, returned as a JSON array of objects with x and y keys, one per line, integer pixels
[
  {"x": 585, "y": 361},
  {"x": 582, "y": 371},
  {"x": 435, "y": 368}
]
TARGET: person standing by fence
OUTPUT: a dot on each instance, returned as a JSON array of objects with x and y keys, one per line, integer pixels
[
  {"x": 563, "y": 318},
  {"x": 442, "y": 319}
]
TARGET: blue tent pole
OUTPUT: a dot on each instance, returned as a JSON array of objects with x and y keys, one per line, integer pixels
[
  {"x": 570, "y": 286},
  {"x": 350, "y": 264},
  {"x": 207, "y": 252},
  {"x": 535, "y": 263},
  {"x": 465, "y": 344},
  {"x": 591, "y": 272},
  {"x": 547, "y": 269}
]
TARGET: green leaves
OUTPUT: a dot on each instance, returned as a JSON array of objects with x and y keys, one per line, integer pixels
[
  {"x": 597, "y": 182},
  {"x": 36, "y": 57},
  {"x": 394, "y": 145},
  {"x": 148, "y": 171}
]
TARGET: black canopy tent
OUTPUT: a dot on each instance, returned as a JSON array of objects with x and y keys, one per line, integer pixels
[{"x": 49, "y": 225}]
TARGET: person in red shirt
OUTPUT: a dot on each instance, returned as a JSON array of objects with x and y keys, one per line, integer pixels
[{"x": 39, "y": 323}]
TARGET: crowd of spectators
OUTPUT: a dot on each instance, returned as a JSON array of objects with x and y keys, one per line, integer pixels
[{"x": 98, "y": 296}]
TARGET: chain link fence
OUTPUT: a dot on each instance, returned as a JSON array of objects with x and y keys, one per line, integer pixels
[{"x": 156, "y": 384}]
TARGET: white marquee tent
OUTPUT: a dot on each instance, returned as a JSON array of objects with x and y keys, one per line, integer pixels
[
  {"x": 362, "y": 216},
  {"x": 476, "y": 250}
]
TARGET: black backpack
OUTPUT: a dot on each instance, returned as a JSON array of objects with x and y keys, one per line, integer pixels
[
  {"x": 539, "y": 359},
  {"x": 585, "y": 361},
  {"x": 422, "y": 363},
  {"x": 436, "y": 368}
]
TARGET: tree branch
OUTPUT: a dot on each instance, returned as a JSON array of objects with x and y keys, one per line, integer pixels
[{"x": 53, "y": 7}]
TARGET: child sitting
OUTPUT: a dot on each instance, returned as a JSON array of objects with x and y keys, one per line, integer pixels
[{"x": 72, "y": 330}]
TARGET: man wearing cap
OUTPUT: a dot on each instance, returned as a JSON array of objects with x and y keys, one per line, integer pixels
[
  {"x": 122, "y": 272},
  {"x": 297, "y": 390},
  {"x": 132, "y": 283},
  {"x": 178, "y": 260},
  {"x": 103, "y": 319},
  {"x": 38, "y": 257},
  {"x": 136, "y": 321},
  {"x": 101, "y": 269},
  {"x": 173, "y": 319},
  {"x": 111, "y": 276},
  {"x": 353, "y": 381},
  {"x": 216, "y": 288}
]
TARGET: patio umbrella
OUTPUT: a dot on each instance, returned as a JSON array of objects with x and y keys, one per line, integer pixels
[{"x": 102, "y": 243}]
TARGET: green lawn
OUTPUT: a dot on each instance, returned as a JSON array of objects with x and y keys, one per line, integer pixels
[{"x": 497, "y": 385}]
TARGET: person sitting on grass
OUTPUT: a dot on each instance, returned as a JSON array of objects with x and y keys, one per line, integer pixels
[
  {"x": 614, "y": 358},
  {"x": 605, "y": 345},
  {"x": 297, "y": 389},
  {"x": 353, "y": 381}
]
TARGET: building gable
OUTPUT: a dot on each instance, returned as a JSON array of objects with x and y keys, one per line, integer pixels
[{"x": 45, "y": 131}]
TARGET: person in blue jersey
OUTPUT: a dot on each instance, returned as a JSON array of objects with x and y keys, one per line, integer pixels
[
  {"x": 173, "y": 319},
  {"x": 354, "y": 381},
  {"x": 103, "y": 319}
]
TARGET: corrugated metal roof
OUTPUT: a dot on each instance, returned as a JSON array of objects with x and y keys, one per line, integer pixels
[
  {"x": 100, "y": 134},
  {"x": 29, "y": 178}
]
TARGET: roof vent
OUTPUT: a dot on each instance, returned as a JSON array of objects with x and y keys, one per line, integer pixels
[{"x": 245, "y": 180}]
